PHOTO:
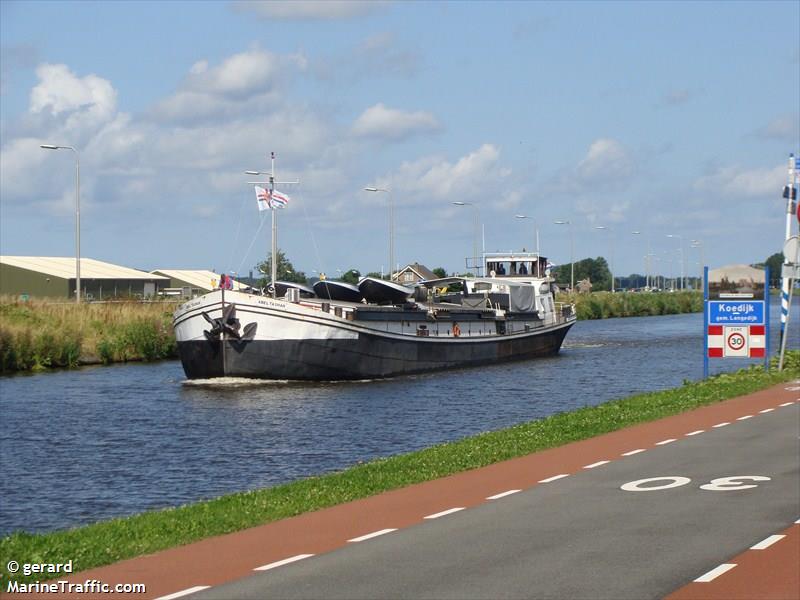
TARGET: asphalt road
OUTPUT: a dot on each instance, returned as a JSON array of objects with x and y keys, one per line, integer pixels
[{"x": 581, "y": 536}]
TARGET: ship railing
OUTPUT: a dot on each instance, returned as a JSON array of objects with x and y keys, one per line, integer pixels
[{"x": 564, "y": 311}]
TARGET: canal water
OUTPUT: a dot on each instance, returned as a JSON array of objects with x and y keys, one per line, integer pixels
[{"x": 90, "y": 444}]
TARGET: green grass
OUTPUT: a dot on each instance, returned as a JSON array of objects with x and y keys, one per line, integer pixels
[
  {"x": 110, "y": 541},
  {"x": 605, "y": 305},
  {"x": 42, "y": 334}
]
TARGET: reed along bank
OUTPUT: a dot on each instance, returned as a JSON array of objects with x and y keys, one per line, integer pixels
[{"x": 42, "y": 334}]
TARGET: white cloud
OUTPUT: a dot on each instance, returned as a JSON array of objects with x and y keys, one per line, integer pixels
[
  {"x": 783, "y": 128},
  {"x": 86, "y": 102},
  {"x": 388, "y": 123},
  {"x": 245, "y": 83},
  {"x": 308, "y": 10},
  {"x": 468, "y": 178},
  {"x": 743, "y": 183},
  {"x": 606, "y": 161}
]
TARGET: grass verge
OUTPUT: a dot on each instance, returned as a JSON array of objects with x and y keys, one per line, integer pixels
[
  {"x": 41, "y": 334},
  {"x": 110, "y": 541}
]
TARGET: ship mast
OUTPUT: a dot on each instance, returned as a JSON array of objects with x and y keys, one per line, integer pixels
[{"x": 274, "y": 251}]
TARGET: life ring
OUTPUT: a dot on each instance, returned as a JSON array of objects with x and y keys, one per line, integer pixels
[{"x": 456, "y": 330}]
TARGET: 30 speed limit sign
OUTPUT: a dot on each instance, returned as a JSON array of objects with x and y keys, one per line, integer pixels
[{"x": 736, "y": 341}]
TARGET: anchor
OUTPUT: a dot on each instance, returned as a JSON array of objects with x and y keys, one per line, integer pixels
[{"x": 228, "y": 325}]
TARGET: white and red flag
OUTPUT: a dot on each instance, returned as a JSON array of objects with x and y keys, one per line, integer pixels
[{"x": 262, "y": 197}]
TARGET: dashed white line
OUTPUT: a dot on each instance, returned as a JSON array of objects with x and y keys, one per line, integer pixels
[
  {"x": 632, "y": 452},
  {"x": 744, "y": 418},
  {"x": 554, "y": 477},
  {"x": 714, "y": 573},
  {"x": 502, "y": 494},
  {"x": 665, "y": 442},
  {"x": 371, "y": 535},
  {"x": 766, "y": 410},
  {"x": 767, "y": 542},
  {"x": 721, "y": 424},
  {"x": 599, "y": 463},
  {"x": 285, "y": 561},
  {"x": 449, "y": 511},
  {"x": 797, "y": 522},
  {"x": 186, "y": 592},
  {"x": 787, "y": 404},
  {"x": 696, "y": 432}
]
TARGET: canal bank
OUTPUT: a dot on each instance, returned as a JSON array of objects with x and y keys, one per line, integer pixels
[
  {"x": 108, "y": 542},
  {"x": 37, "y": 335}
]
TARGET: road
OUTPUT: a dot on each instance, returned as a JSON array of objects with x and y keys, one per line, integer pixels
[{"x": 596, "y": 533}]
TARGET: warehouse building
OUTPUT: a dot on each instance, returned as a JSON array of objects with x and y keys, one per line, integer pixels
[
  {"x": 188, "y": 283},
  {"x": 54, "y": 277}
]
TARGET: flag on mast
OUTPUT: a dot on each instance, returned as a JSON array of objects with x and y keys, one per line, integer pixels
[
  {"x": 273, "y": 200},
  {"x": 262, "y": 197},
  {"x": 278, "y": 199}
]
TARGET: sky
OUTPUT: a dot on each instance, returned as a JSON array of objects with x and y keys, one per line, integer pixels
[{"x": 663, "y": 118}]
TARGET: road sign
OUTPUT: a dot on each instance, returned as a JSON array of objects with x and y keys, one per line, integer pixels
[
  {"x": 736, "y": 312},
  {"x": 736, "y": 341}
]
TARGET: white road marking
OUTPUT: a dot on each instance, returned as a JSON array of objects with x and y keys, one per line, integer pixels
[
  {"x": 792, "y": 388},
  {"x": 554, "y": 477},
  {"x": 797, "y": 522},
  {"x": 372, "y": 535},
  {"x": 696, "y": 432},
  {"x": 285, "y": 561},
  {"x": 766, "y": 543},
  {"x": 597, "y": 464},
  {"x": 186, "y": 592},
  {"x": 665, "y": 442},
  {"x": 632, "y": 452},
  {"x": 502, "y": 494},
  {"x": 744, "y": 418},
  {"x": 444, "y": 512},
  {"x": 714, "y": 573},
  {"x": 766, "y": 410},
  {"x": 721, "y": 424},
  {"x": 787, "y": 403}
]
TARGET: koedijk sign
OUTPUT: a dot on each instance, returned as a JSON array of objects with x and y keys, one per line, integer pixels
[{"x": 736, "y": 312}]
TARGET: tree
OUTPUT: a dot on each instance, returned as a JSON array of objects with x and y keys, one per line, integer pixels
[
  {"x": 285, "y": 270},
  {"x": 596, "y": 269},
  {"x": 351, "y": 276},
  {"x": 440, "y": 272},
  {"x": 775, "y": 263}
]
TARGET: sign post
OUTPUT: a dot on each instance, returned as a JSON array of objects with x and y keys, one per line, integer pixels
[{"x": 736, "y": 313}]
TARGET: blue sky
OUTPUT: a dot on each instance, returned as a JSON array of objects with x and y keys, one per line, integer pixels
[{"x": 664, "y": 118}]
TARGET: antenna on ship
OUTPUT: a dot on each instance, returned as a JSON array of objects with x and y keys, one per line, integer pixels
[{"x": 274, "y": 210}]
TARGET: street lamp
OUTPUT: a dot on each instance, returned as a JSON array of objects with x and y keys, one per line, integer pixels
[
  {"x": 699, "y": 244},
  {"x": 77, "y": 215},
  {"x": 647, "y": 267},
  {"x": 571, "y": 254},
  {"x": 391, "y": 225},
  {"x": 610, "y": 268},
  {"x": 680, "y": 248},
  {"x": 535, "y": 229},
  {"x": 477, "y": 233}
]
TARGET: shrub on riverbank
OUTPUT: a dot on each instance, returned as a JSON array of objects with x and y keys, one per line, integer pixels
[
  {"x": 605, "y": 305},
  {"x": 41, "y": 334},
  {"x": 110, "y": 541}
]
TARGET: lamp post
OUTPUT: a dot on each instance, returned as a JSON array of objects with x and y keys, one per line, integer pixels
[
  {"x": 699, "y": 244},
  {"x": 610, "y": 267},
  {"x": 535, "y": 229},
  {"x": 571, "y": 254},
  {"x": 477, "y": 232},
  {"x": 680, "y": 248},
  {"x": 77, "y": 215},
  {"x": 646, "y": 260},
  {"x": 391, "y": 225}
]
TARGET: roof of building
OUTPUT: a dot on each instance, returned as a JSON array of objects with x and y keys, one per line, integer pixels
[
  {"x": 202, "y": 280},
  {"x": 422, "y": 271},
  {"x": 64, "y": 267}
]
